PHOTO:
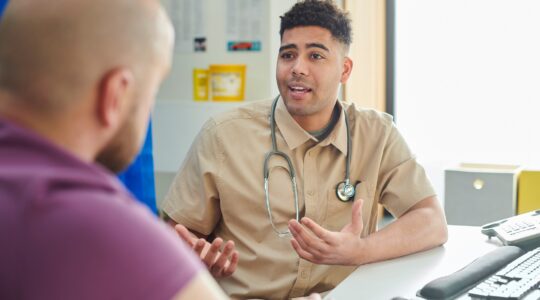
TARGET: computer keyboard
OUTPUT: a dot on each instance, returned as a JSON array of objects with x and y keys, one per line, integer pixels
[
  {"x": 518, "y": 279},
  {"x": 508, "y": 272}
]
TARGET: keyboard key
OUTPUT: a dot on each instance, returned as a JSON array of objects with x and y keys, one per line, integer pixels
[{"x": 519, "y": 279}]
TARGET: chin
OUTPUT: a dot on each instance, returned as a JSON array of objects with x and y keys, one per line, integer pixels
[
  {"x": 116, "y": 158},
  {"x": 296, "y": 108},
  {"x": 113, "y": 164},
  {"x": 122, "y": 149}
]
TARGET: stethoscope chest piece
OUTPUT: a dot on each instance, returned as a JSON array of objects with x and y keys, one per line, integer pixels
[{"x": 345, "y": 191}]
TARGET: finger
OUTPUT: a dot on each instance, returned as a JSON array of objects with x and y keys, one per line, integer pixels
[
  {"x": 223, "y": 258},
  {"x": 305, "y": 238},
  {"x": 210, "y": 257},
  {"x": 199, "y": 246},
  {"x": 309, "y": 244},
  {"x": 233, "y": 263},
  {"x": 357, "y": 222},
  {"x": 185, "y": 234},
  {"x": 317, "y": 230},
  {"x": 301, "y": 252},
  {"x": 299, "y": 234}
]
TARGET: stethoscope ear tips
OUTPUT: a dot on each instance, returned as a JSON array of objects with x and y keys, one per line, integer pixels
[{"x": 345, "y": 191}]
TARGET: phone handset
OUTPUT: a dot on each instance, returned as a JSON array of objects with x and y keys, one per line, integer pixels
[
  {"x": 489, "y": 228},
  {"x": 521, "y": 230}
]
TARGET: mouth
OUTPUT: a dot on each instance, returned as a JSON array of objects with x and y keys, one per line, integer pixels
[{"x": 299, "y": 91}]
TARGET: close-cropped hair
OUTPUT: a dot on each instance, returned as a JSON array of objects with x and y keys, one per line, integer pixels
[{"x": 322, "y": 13}]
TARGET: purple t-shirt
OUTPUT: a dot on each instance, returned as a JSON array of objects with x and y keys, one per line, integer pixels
[{"x": 69, "y": 230}]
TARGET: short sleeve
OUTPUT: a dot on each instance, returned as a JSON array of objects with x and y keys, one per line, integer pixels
[
  {"x": 103, "y": 248},
  {"x": 193, "y": 198},
  {"x": 402, "y": 181}
]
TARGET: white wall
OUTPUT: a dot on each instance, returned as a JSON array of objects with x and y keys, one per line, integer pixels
[
  {"x": 260, "y": 83},
  {"x": 467, "y": 81},
  {"x": 178, "y": 86},
  {"x": 176, "y": 117}
]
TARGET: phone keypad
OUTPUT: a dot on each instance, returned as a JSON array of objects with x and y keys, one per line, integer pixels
[{"x": 513, "y": 228}]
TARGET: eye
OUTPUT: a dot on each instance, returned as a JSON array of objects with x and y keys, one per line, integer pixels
[
  {"x": 286, "y": 55},
  {"x": 316, "y": 56}
]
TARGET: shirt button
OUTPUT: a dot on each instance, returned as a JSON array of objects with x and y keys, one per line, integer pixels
[
  {"x": 303, "y": 274},
  {"x": 311, "y": 192}
]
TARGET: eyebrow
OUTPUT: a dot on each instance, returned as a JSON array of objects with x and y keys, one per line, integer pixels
[
  {"x": 309, "y": 45},
  {"x": 317, "y": 45},
  {"x": 288, "y": 46}
]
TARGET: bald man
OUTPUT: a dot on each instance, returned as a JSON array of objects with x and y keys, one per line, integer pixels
[{"x": 77, "y": 83}]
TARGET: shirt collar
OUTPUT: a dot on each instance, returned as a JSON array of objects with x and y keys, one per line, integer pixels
[
  {"x": 338, "y": 136},
  {"x": 294, "y": 135}
]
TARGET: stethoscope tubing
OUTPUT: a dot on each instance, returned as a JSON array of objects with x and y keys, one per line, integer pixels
[{"x": 344, "y": 193}]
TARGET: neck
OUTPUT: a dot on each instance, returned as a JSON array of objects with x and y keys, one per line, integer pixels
[
  {"x": 63, "y": 132},
  {"x": 317, "y": 121}
]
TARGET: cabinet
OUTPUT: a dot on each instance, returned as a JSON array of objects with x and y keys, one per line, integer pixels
[{"x": 476, "y": 194}]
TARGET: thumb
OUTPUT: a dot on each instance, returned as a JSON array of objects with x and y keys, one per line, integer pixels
[{"x": 357, "y": 223}]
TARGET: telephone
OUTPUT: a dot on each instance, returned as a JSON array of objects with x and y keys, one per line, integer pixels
[{"x": 521, "y": 230}]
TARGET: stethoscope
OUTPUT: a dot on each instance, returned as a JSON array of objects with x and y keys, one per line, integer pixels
[{"x": 344, "y": 190}]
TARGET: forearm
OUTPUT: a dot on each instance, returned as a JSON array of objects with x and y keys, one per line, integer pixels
[{"x": 421, "y": 228}]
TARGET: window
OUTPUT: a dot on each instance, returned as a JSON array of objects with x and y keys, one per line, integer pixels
[{"x": 467, "y": 81}]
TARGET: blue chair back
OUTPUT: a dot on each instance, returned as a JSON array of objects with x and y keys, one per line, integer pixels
[
  {"x": 139, "y": 176},
  {"x": 3, "y": 4}
]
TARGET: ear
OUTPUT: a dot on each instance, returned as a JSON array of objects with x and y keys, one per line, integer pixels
[
  {"x": 113, "y": 96},
  {"x": 347, "y": 69}
]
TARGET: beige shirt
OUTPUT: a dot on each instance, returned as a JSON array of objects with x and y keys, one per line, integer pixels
[{"x": 219, "y": 191}]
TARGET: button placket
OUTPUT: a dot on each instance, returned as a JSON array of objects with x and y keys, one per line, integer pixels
[
  {"x": 302, "y": 279},
  {"x": 310, "y": 183}
]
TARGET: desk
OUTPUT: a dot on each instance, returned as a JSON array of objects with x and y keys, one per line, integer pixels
[{"x": 404, "y": 276}]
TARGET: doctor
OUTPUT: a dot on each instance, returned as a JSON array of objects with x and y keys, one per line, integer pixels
[{"x": 280, "y": 197}]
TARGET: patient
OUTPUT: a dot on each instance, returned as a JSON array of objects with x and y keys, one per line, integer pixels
[{"x": 77, "y": 83}]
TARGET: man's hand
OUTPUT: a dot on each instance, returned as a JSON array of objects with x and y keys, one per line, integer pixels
[
  {"x": 220, "y": 263},
  {"x": 321, "y": 246}
]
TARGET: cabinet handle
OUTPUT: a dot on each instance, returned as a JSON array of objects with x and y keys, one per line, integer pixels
[{"x": 478, "y": 184}]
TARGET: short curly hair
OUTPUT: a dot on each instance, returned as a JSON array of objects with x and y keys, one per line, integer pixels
[{"x": 322, "y": 13}]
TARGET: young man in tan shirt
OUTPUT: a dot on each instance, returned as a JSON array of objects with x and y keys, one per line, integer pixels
[{"x": 288, "y": 236}]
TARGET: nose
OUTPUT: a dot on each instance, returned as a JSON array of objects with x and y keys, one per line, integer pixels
[{"x": 300, "y": 67}]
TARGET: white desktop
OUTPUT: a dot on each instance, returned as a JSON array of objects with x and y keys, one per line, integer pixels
[{"x": 404, "y": 276}]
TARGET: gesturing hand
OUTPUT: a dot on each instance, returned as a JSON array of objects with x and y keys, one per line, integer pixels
[
  {"x": 321, "y": 246},
  {"x": 220, "y": 263}
]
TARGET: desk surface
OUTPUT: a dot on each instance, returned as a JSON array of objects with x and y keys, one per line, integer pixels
[{"x": 404, "y": 276}]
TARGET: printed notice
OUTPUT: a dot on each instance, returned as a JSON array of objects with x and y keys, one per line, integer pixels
[
  {"x": 244, "y": 25},
  {"x": 188, "y": 18}
]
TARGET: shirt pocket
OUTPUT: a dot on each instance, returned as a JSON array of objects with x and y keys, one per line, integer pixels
[{"x": 339, "y": 213}]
